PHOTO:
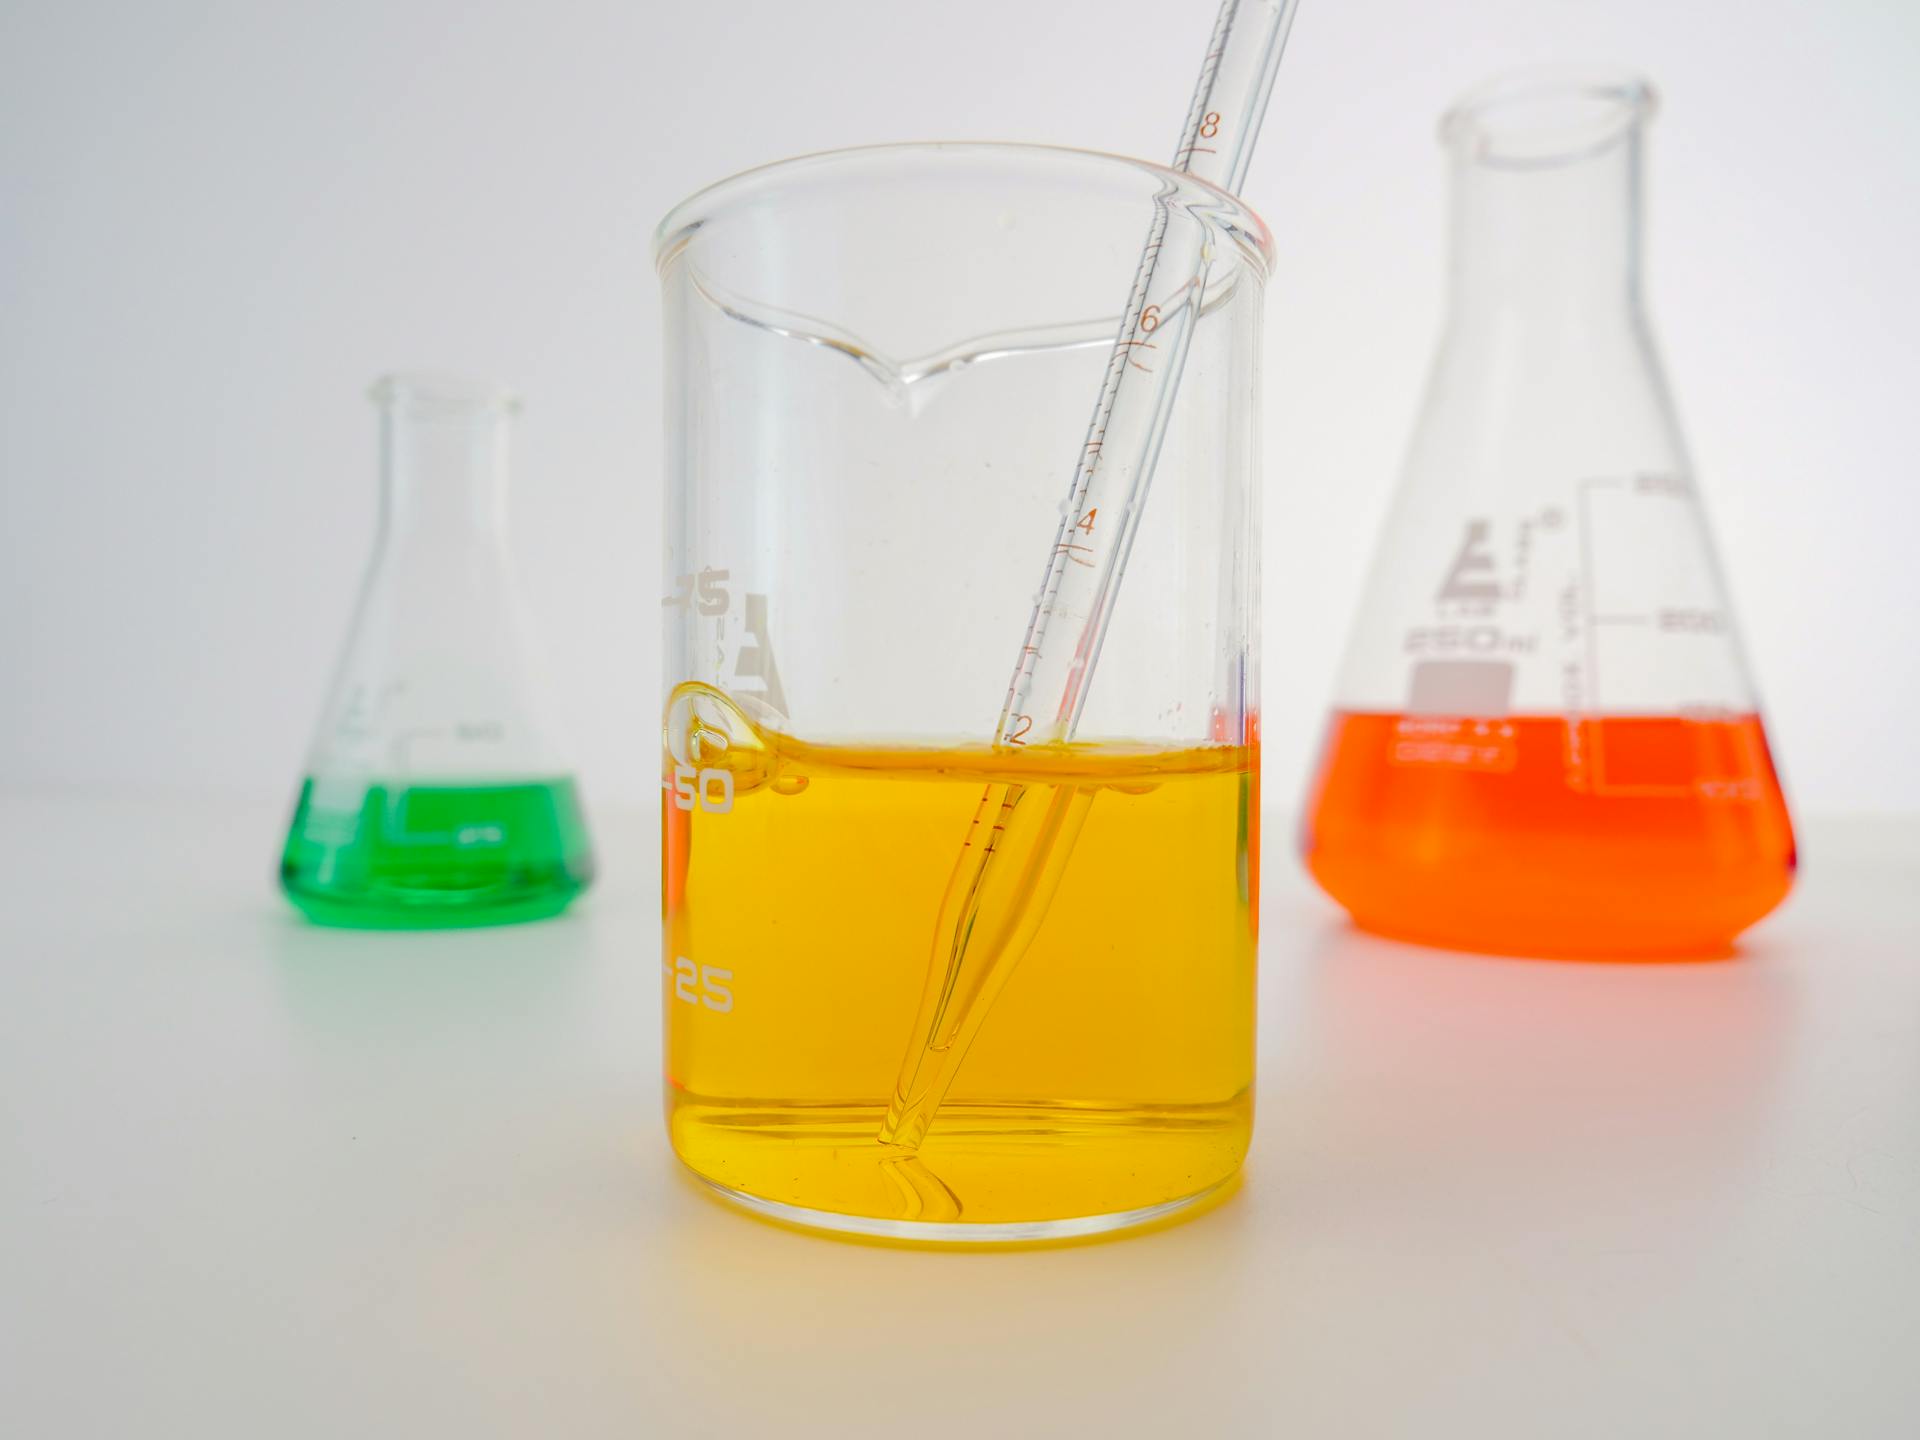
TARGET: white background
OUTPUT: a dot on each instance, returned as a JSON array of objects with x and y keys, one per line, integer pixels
[{"x": 218, "y": 222}]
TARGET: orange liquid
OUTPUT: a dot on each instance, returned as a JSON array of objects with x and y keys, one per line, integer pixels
[{"x": 1631, "y": 835}]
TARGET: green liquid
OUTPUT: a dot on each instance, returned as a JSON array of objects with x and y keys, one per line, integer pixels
[{"x": 427, "y": 856}]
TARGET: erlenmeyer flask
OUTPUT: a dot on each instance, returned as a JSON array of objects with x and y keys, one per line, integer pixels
[
  {"x": 1544, "y": 738},
  {"x": 433, "y": 796}
]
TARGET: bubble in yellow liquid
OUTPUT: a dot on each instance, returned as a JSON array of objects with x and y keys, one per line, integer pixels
[{"x": 803, "y": 889}]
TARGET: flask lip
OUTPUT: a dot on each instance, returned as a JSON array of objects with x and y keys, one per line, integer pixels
[
  {"x": 1547, "y": 115},
  {"x": 431, "y": 393}
]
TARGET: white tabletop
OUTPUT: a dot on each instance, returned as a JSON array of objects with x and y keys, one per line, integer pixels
[{"x": 265, "y": 1180}]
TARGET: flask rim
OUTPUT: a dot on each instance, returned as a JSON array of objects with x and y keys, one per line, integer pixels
[{"x": 1548, "y": 115}]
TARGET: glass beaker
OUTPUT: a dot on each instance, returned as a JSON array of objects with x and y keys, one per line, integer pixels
[
  {"x": 433, "y": 795},
  {"x": 879, "y": 368},
  {"x": 1544, "y": 738}
]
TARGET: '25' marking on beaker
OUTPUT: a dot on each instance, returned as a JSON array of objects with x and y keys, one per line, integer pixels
[
  {"x": 707, "y": 985},
  {"x": 711, "y": 790}
]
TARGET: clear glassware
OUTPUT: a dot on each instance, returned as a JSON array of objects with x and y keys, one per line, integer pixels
[
  {"x": 1545, "y": 739},
  {"x": 434, "y": 795},
  {"x": 880, "y": 364}
]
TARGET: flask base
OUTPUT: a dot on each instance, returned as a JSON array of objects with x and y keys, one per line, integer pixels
[
  {"x": 397, "y": 856},
  {"x": 1633, "y": 837},
  {"x": 372, "y": 914}
]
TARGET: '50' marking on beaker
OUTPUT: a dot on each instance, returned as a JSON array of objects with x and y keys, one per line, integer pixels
[
  {"x": 709, "y": 789},
  {"x": 707, "y": 985}
]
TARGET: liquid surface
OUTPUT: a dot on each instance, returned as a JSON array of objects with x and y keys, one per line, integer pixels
[
  {"x": 1114, "y": 1069},
  {"x": 396, "y": 856},
  {"x": 1641, "y": 835}
]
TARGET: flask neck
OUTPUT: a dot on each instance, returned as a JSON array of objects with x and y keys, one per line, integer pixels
[
  {"x": 1546, "y": 205},
  {"x": 443, "y": 460}
]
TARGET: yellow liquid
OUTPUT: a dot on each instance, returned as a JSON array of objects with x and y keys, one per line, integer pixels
[{"x": 1112, "y": 1073}]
